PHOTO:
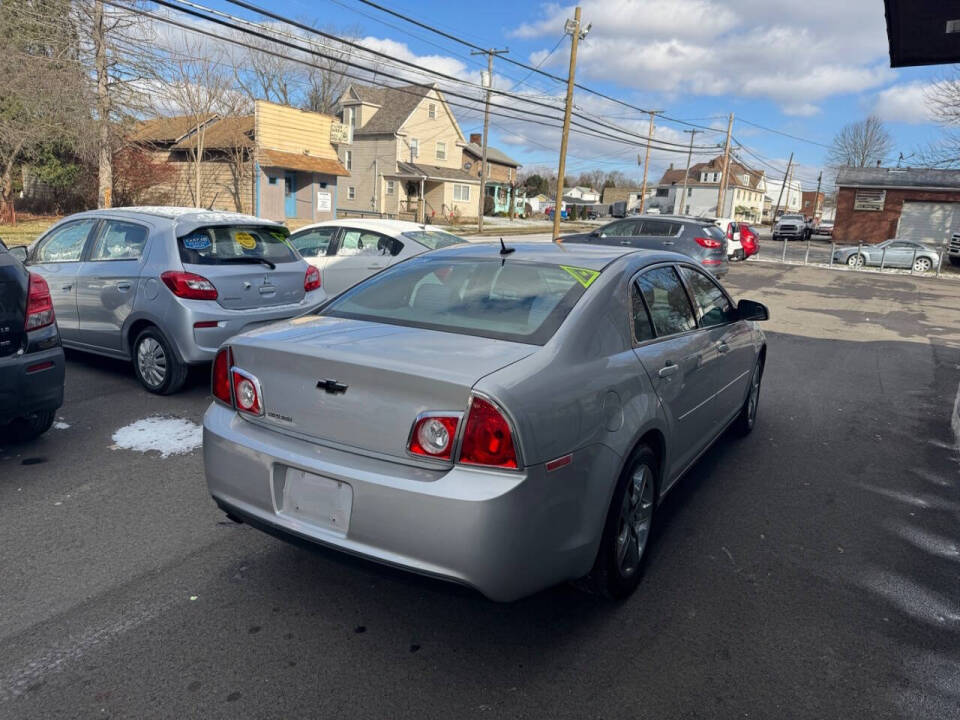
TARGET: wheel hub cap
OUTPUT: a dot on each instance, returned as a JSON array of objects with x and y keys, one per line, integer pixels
[
  {"x": 635, "y": 516},
  {"x": 152, "y": 362}
]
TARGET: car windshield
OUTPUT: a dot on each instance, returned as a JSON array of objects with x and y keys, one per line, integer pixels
[
  {"x": 230, "y": 244},
  {"x": 433, "y": 239},
  {"x": 513, "y": 300}
]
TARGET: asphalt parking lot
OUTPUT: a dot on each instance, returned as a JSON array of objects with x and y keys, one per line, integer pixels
[{"x": 811, "y": 570}]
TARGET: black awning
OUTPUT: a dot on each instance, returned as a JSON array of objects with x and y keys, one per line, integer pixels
[{"x": 923, "y": 32}]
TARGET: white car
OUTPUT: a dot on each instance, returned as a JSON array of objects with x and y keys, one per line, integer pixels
[{"x": 348, "y": 250}]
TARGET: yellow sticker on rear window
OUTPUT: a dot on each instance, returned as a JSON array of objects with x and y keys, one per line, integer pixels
[
  {"x": 245, "y": 240},
  {"x": 584, "y": 276}
]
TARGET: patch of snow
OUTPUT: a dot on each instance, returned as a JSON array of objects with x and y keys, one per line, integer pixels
[
  {"x": 60, "y": 425},
  {"x": 168, "y": 436}
]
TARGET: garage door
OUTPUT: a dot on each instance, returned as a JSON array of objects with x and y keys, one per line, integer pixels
[{"x": 931, "y": 223}]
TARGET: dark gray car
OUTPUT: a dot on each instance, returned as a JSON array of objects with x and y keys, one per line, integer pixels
[{"x": 696, "y": 238}]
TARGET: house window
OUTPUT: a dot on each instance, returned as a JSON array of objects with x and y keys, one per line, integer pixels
[
  {"x": 351, "y": 193},
  {"x": 461, "y": 193},
  {"x": 662, "y": 192},
  {"x": 872, "y": 200},
  {"x": 272, "y": 179},
  {"x": 414, "y": 148},
  {"x": 391, "y": 187},
  {"x": 432, "y": 111},
  {"x": 689, "y": 192},
  {"x": 348, "y": 159},
  {"x": 441, "y": 151}
]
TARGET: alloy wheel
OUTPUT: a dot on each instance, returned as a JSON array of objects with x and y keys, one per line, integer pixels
[
  {"x": 922, "y": 265},
  {"x": 151, "y": 362},
  {"x": 754, "y": 400},
  {"x": 855, "y": 261},
  {"x": 636, "y": 514}
]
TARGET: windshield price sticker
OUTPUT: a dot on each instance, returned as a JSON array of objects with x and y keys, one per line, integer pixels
[
  {"x": 245, "y": 240},
  {"x": 584, "y": 276},
  {"x": 196, "y": 241}
]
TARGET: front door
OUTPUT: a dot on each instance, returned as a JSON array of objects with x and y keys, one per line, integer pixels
[
  {"x": 290, "y": 194},
  {"x": 107, "y": 283},
  {"x": 57, "y": 259}
]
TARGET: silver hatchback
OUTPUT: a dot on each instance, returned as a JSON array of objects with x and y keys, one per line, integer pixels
[{"x": 166, "y": 287}]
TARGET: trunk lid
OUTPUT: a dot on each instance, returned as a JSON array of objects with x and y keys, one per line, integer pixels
[
  {"x": 392, "y": 373},
  {"x": 14, "y": 284},
  {"x": 244, "y": 287}
]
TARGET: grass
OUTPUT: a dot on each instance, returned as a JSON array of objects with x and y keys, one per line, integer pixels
[{"x": 27, "y": 229}]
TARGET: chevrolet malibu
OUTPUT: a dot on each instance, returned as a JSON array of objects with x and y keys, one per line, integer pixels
[{"x": 507, "y": 418}]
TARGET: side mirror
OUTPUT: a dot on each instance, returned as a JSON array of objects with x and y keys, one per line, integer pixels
[
  {"x": 19, "y": 252},
  {"x": 750, "y": 310}
]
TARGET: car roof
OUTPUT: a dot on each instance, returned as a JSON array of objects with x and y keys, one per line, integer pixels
[
  {"x": 388, "y": 227},
  {"x": 581, "y": 255},
  {"x": 184, "y": 219},
  {"x": 682, "y": 218}
]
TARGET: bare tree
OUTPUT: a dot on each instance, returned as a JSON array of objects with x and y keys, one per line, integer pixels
[{"x": 861, "y": 144}]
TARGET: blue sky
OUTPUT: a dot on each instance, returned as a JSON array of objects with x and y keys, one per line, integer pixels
[{"x": 803, "y": 68}]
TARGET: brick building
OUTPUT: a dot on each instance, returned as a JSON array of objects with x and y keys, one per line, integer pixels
[
  {"x": 812, "y": 203},
  {"x": 875, "y": 204}
]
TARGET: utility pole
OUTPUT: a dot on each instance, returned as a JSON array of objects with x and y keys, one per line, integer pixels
[
  {"x": 646, "y": 161},
  {"x": 683, "y": 199},
  {"x": 571, "y": 28},
  {"x": 104, "y": 154},
  {"x": 786, "y": 179},
  {"x": 488, "y": 83},
  {"x": 726, "y": 163},
  {"x": 816, "y": 197}
]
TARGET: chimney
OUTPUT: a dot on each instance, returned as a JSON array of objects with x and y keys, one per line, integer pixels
[
  {"x": 671, "y": 166},
  {"x": 879, "y": 163},
  {"x": 476, "y": 139}
]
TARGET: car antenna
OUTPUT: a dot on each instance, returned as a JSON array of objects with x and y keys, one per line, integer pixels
[{"x": 504, "y": 250}]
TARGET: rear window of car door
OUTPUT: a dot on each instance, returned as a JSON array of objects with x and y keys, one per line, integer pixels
[
  {"x": 623, "y": 228},
  {"x": 119, "y": 240},
  {"x": 367, "y": 242},
  {"x": 713, "y": 304},
  {"x": 314, "y": 242},
  {"x": 667, "y": 301},
  {"x": 657, "y": 228},
  {"x": 65, "y": 244}
]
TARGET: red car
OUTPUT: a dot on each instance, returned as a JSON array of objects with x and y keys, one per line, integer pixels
[{"x": 748, "y": 238}]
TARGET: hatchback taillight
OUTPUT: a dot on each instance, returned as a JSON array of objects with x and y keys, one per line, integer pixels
[
  {"x": 708, "y": 242},
  {"x": 433, "y": 435},
  {"x": 487, "y": 437},
  {"x": 39, "y": 304},
  {"x": 220, "y": 379},
  {"x": 189, "y": 286},
  {"x": 311, "y": 281}
]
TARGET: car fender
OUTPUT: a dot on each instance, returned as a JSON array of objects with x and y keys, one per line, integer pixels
[{"x": 135, "y": 318}]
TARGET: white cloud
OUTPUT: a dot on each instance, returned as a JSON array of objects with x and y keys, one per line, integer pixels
[{"x": 906, "y": 103}]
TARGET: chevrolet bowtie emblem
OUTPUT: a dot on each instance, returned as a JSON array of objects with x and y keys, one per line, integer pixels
[{"x": 332, "y": 387}]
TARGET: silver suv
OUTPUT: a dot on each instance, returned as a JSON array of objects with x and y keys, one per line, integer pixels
[{"x": 166, "y": 286}]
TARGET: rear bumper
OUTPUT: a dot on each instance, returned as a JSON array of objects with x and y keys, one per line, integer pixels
[
  {"x": 199, "y": 345},
  {"x": 31, "y": 383},
  {"x": 507, "y": 534}
]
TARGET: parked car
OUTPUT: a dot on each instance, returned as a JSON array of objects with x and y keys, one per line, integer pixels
[
  {"x": 825, "y": 227},
  {"x": 743, "y": 240},
  {"x": 31, "y": 358},
  {"x": 346, "y": 251},
  {"x": 165, "y": 287},
  {"x": 791, "y": 227},
  {"x": 953, "y": 249},
  {"x": 503, "y": 418},
  {"x": 699, "y": 238},
  {"x": 890, "y": 253}
]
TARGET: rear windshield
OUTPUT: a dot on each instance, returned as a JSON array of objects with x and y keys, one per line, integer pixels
[
  {"x": 433, "y": 239},
  {"x": 222, "y": 244},
  {"x": 513, "y": 300}
]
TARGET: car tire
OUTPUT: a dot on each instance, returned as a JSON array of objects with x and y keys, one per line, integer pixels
[
  {"x": 747, "y": 418},
  {"x": 33, "y": 426},
  {"x": 157, "y": 365},
  {"x": 625, "y": 542},
  {"x": 922, "y": 265},
  {"x": 855, "y": 261}
]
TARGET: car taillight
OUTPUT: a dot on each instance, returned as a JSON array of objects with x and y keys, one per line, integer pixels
[
  {"x": 433, "y": 435},
  {"x": 708, "y": 242},
  {"x": 311, "y": 281},
  {"x": 487, "y": 438},
  {"x": 39, "y": 304},
  {"x": 189, "y": 286},
  {"x": 246, "y": 392},
  {"x": 220, "y": 379}
]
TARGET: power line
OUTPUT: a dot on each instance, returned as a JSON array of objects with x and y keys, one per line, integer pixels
[{"x": 785, "y": 134}]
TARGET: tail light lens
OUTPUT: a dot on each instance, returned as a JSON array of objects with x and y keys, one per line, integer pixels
[
  {"x": 220, "y": 380},
  {"x": 708, "y": 242},
  {"x": 189, "y": 285},
  {"x": 433, "y": 435},
  {"x": 246, "y": 392},
  {"x": 487, "y": 438},
  {"x": 39, "y": 304},
  {"x": 311, "y": 281}
]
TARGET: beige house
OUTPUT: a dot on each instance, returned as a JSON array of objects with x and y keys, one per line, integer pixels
[
  {"x": 278, "y": 163},
  {"x": 405, "y": 155}
]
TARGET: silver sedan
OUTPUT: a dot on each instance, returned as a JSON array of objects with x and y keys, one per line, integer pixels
[
  {"x": 889, "y": 254},
  {"x": 503, "y": 417}
]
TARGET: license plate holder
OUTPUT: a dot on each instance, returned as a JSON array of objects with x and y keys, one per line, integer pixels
[{"x": 315, "y": 500}]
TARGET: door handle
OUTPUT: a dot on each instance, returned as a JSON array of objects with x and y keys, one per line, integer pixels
[
  {"x": 66, "y": 287},
  {"x": 624, "y": 242},
  {"x": 668, "y": 242},
  {"x": 123, "y": 286},
  {"x": 668, "y": 370},
  {"x": 723, "y": 347},
  {"x": 375, "y": 267}
]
